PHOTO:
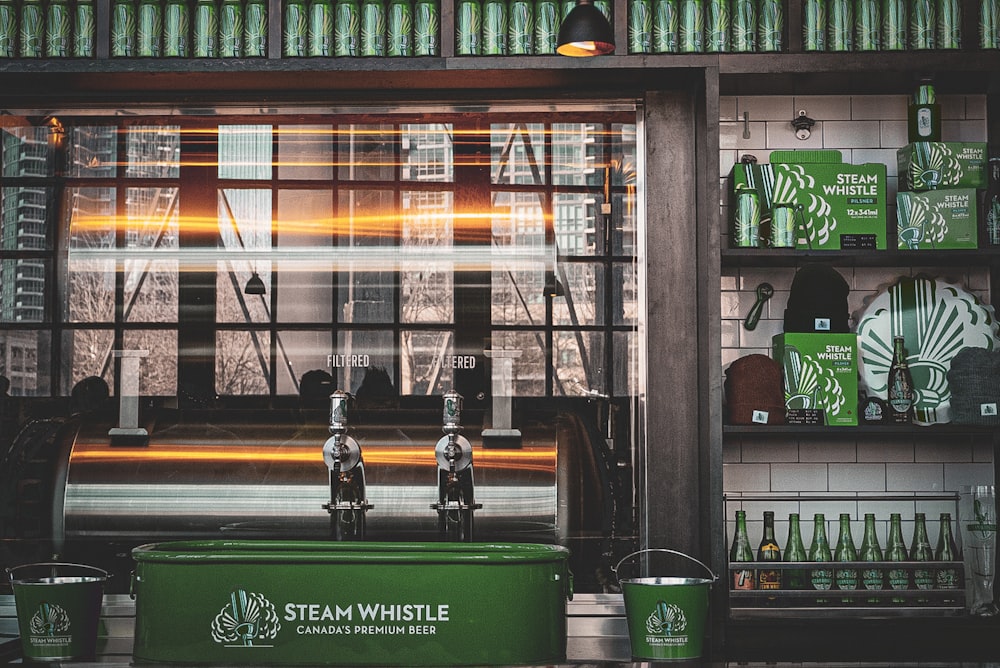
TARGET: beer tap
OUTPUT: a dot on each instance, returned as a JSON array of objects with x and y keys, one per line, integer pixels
[
  {"x": 342, "y": 455},
  {"x": 456, "y": 498}
]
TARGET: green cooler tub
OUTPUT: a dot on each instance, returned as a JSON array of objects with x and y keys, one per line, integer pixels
[{"x": 305, "y": 602}]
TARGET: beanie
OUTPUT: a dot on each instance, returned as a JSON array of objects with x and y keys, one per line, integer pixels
[
  {"x": 817, "y": 301},
  {"x": 755, "y": 391}
]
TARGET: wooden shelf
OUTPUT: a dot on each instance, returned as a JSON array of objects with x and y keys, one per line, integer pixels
[{"x": 772, "y": 257}]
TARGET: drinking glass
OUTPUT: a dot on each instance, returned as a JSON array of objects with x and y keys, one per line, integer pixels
[{"x": 977, "y": 517}]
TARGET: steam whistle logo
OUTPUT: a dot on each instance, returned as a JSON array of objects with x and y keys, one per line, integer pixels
[
  {"x": 248, "y": 621},
  {"x": 49, "y": 621},
  {"x": 985, "y": 526},
  {"x": 666, "y": 620}
]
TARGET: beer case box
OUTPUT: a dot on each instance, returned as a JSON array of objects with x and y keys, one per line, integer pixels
[
  {"x": 821, "y": 377},
  {"x": 935, "y": 165},
  {"x": 838, "y": 206},
  {"x": 937, "y": 219}
]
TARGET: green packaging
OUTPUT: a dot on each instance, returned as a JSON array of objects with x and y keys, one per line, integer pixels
[
  {"x": 937, "y": 219},
  {"x": 821, "y": 377},
  {"x": 838, "y": 206},
  {"x": 939, "y": 165}
]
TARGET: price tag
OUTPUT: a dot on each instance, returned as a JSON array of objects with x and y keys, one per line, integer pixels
[
  {"x": 988, "y": 410},
  {"x": 759, "y": 417},
  {"x": 821, "y": 324}
]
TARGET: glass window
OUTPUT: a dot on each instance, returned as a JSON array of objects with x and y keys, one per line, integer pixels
[
  {"x": 153, "y": 152},
  {"x": 518, "y": 153},
  {"x": 242, "y": 362},
  {"x": 158, "y": 369},
  {"x": 245, "y": 152},
  {"x": 366, "y": 152},
  {"x": 305, "y": 152},
  {"x": 25, "y": 359}
]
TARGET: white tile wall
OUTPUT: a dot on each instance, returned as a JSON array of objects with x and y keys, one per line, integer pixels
[{"x": 852, "y": 473}]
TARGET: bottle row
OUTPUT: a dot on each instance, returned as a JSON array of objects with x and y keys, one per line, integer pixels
[{"x": 856, "y": 568}]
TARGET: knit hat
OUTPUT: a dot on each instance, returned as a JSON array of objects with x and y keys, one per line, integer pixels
[
  {"x": 974, "y": 380},
  {"x": 755, "y": 391},
  {"x": 817, "y": 301}
]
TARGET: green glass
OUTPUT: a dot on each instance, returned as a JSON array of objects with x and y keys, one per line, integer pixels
[
  {"x": 821, "y": 579},
  {"x": 814, "y": 25},
  {"x": 949, "y": 24},
  {"x": 58, "y": 28},
  {"x": 255, "y": 29},
  {"x": 347, "y": 28},
  {"x": 605, "y": 7},
  {"x": 894, "y": 25},
  {"x": 176, "y": 23},
  {"x": 920, "y": 550},
  {"x": 521, "y": 27},
  {"x": 495, "y": 28},
  {"x": 895, "y": 550},
  {"x": 692, "y": 26},
  {"x": 771, "y": 25},
  {"x": 744, "y": 26},
  {"x": 923, "y": 23},
  {"x": 84, "y": 29},
  {"x": 846, "y": 579},
  {"x": 399, "y": 38},
  {"x": 149, "y": 29},
  {"x": 231, "y": 29},
  {"x": 295, "y": 32},
  {"x": 989, "y": 24},
  {"x": 666, "y": 26},
  {"x": 867, "y": 25},
  {"x": 795, "y": 551},
  {"x": 321, "y": 28},
  {"x": 426, "y": 28},
  {"x": 718, "y": 25},
  {"x": 206, "y": 30},
  {"x": 8, "y": 29},
  {"x": 124, "y": 25},
  {"x": 946, "y": 577},
  {"x": 468, "y": 28},
  {"x": 873, "y": 579},
  {"x": 546, "y": 26},
  {"x": 840, "y": 25},
  {"x": 373, "y": 28},
  {"x": 741, "y": 551},
  {"x": 32, "y": 29},
  {"x": 640, "y": 26}
]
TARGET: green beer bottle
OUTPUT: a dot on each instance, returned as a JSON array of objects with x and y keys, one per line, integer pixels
[
  {"x": 295, "y": 32},
  {"x": 900, "y": 390},
  {"x": 176, "y": 22},
  {"x": 739, "y": 552},
  {"x": 768, "y": 550},
  {"x": 231, "y": 29},
  {"x": 821, "y": 579},
  {"x": 946, "y": 577},
  {"x": 920, "y": 550},
  {"x": 846, "y": 578},
  {"x": 666, "y": 26},
  {"x": 206, "y": 30},
  {"x": 58, "y": 26},
  {"x": 321, "y": 28},
  {"x": 32, "y": 29},
  {"x": 399, "y": 38},
  {"x": 255, "y": 29},
  {"x": 123, "y": 28},
  {"x": 149, "y": 29},
  {"x": 794, "y": 551},
  {"x": 872, "y": 578},
  {"x": 895, "y": 550}
]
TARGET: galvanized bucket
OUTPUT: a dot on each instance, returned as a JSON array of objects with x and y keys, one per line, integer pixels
[
  {"x": 666, "y": 615},
  {"x": 58, "y": 609}
]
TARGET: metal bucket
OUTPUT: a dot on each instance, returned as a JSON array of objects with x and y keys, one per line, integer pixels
[
  {"x": 666, "y": 615},
  {"x": 58, "y": 609}
]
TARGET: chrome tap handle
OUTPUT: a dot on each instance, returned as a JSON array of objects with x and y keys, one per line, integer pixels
[
  {"x": 452, "y": 414},
  {"x": 338, "y": 411}
]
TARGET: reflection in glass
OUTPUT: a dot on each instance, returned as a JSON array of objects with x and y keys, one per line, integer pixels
[
  {"x": 86, "y": 352},
  {"x": 366, "y": 152},
  {"x": 245, "y": 152},
  {"x": 90, "y": 280},
  {"x": 626, "y": 368},
  {"x": 305, "y": 152},
  {"x": 359, "y": 351},
  {"x": 25, "y": 361},
  {"x": 153, "y": 151},
  {"x": 519, "y": 281},
  {"x": 92, "y": 151},
  {"x": 370, "y": 221},
  {"x": 583, "y": 302},
  {"x": 626, "y": 297},
  {"x": 426, "y": 153},
  {"x": 305, "y": 284},
  {"x": 528, "y": 368},
  {"x": 426, "y": 366},
  {"x": 518, "y": 153},
  {"x": 27, "y": 151},
  {"x": 576, "y": 148},
  {"x": 244, "y": 228},
  {"x": 242, "y": 362},
  {"x": 158, "y": 369},
  {"x": 150, "y": 283},
  {"x": 306, "y": 351},
  {"x": 427, "y": 288},
  {"x": 575, "y": 224},
  {"x": 578, "y": 363}
]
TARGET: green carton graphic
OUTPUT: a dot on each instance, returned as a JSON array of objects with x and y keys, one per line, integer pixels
[
  {"x": 937, "y": 219},
  {"x": 939, "y": 165},
  {"x": 821, "y": 377}
]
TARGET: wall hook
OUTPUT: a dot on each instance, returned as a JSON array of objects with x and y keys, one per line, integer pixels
[
  {"x": 803, "y": 125},
  {"x": 746, "y": 125}
]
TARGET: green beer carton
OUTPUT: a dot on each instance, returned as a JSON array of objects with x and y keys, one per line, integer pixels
[
  {"x": 938, "y": 165},
  {"x": 821, "y": 377},
  {"x": 837, "y": 205},
  {"x": 937, "y": 219}
]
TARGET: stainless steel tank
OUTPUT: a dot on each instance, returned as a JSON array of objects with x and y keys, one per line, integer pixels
[{"x": 248, "y": 474}]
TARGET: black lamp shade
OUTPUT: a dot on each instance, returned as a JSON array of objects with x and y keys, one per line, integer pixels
[
  {"x": 255, "y": 286},
  {"x": 585, "y": 32}
]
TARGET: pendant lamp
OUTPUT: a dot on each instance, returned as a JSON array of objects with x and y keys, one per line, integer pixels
[
  {"x": 255, "y": 286},
  {"x": 585, "y": 32}
]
